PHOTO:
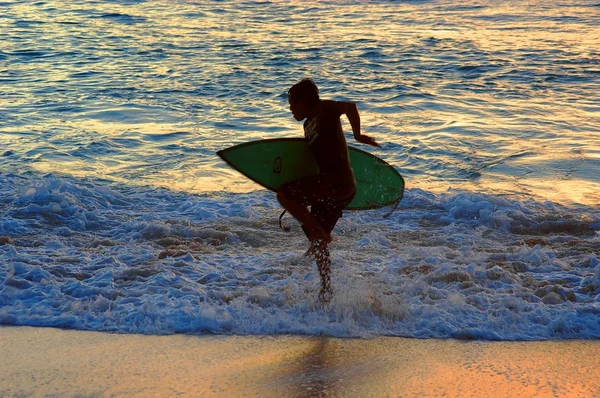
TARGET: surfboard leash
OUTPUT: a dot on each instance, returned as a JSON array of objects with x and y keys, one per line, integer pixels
[
  {"x": 284, "y": 227},
  {"x": 393, "y": 208}
]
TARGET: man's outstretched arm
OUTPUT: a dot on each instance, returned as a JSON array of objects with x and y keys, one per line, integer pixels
[{"x": 351, "y": 111}]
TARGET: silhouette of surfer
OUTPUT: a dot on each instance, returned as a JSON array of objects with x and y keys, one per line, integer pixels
[{"x": 330, "y": 191}]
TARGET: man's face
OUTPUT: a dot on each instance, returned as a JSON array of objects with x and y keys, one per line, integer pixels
[{"x": 298, "y": 109}]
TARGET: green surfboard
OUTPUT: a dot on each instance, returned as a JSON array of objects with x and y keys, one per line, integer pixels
[{"x": 272, "y": 163}]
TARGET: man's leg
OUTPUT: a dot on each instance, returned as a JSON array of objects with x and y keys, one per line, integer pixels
[
  {"x": 297, "y": 195},
  {"x": 324, "y": 266},
  {"x": 326, "y": 208},
  {"x": 314, "y": 231},
  {"x": 327, "y": 215}
]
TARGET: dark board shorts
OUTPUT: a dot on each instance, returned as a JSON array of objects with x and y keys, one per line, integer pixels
[{"x": 326, "y": 200}]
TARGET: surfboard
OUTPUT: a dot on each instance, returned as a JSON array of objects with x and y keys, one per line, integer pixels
[{"x": 273, "y": 162}]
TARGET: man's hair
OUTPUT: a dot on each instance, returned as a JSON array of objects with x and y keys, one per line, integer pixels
[{"x": 306, "y": 91}]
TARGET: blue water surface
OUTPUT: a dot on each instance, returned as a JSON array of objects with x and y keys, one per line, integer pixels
[{"x": 116, "y": 215}]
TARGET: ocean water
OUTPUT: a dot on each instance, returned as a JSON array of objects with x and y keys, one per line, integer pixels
[{"x": 116, "y": 214}]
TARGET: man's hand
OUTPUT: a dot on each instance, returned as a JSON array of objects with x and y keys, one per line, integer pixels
[{"x": 367, "y": 140}]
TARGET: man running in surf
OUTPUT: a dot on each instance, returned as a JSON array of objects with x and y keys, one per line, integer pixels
[{"x": 330, "y": 191}]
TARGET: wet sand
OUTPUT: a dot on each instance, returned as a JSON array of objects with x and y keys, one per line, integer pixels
[{"x": 42, "y": 362}]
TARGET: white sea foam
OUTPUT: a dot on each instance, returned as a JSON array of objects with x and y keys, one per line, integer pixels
[{"x": 83, "y": 255}]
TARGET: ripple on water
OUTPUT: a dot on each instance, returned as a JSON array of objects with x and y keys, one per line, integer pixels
[{"x": 487, "y": 109}]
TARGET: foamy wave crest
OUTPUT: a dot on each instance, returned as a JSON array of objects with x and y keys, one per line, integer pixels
[{"x": 83, "y": 254}]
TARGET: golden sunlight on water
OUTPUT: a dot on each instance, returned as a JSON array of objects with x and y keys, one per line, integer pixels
[{"x": 484, "y": 97}]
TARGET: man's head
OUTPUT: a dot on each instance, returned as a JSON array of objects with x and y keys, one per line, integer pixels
[{"x": 303, "y": 97}]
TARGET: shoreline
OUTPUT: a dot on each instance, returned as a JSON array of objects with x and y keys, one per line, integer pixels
[{"x": 48, "y": 361}]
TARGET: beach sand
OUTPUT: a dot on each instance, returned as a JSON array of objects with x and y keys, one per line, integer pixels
[{"x": 42, "y": 362}]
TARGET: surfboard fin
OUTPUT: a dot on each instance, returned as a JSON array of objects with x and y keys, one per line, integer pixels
[{"x": 284, "y": 227}]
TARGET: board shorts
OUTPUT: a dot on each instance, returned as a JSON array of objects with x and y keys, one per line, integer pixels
[{"x": 326, "y": 200}]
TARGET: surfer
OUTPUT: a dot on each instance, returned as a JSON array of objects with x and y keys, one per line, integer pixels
[{"x": 330, "y": 191}]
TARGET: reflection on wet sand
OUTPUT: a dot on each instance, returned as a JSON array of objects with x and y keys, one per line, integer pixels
[{"x": 68, "y": 363}]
